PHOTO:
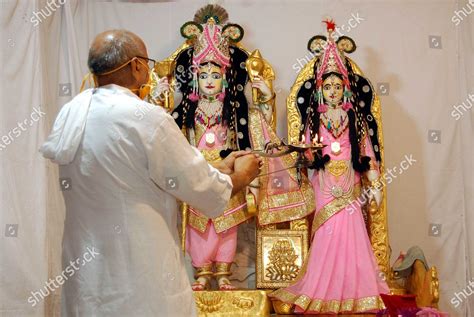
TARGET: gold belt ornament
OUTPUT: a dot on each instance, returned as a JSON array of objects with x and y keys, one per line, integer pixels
[{"x": 337, "y": 167}]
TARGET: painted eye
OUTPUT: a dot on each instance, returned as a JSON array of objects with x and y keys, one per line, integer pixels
[
  {"x": 203, "y": 76},
  {"x": 216, "y": 76}
]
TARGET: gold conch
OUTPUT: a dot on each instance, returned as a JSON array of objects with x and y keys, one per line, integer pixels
[
  {"x": 255, "y": 66},
  {"x": 166, "y": 69}
]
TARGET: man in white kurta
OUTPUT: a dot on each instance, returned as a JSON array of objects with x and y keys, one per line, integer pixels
[{"x": 123, "y": 164}]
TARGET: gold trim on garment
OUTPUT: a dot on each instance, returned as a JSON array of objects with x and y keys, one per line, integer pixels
[
  {"x": 303, "y": 196},
  {"x": 226, "y": 222},
  {"x": 198, "y": 222},
  {"x": 358, "y": 305},
  {"x": 213, "y": 155},
  {"x": 332, "y": 208},
  {"x": 223, "y": 222}
]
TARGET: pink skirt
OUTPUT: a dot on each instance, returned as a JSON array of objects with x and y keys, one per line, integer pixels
[{"x": 340, "y": 273}]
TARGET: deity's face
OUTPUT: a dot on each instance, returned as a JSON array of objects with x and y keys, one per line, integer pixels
[
  {"x": 210, "y": 79},
  {"x": 333, "y": 90}
]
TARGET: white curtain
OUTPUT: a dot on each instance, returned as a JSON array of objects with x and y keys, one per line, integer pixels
[{"x": 44, "y": 56}]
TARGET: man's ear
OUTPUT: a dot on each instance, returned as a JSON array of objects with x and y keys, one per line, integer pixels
[{"x": 135, "y": 67}]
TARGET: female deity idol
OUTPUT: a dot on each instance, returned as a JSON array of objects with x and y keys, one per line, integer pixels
[
  {"x": 340, "y": 274},
  {"x": 223, "y": 109}
]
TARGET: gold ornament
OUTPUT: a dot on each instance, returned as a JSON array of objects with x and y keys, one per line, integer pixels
[{"x": 255, "y": 67}]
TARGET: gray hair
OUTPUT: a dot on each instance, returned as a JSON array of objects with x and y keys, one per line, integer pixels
[{"x": 116, "y": 48}]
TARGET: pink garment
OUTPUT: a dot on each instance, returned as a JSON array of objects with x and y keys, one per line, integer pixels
[
  {"x": 208, "y": 247},
  {"x": 341, "y": 264},
  {"x": 280, "y": 180}
]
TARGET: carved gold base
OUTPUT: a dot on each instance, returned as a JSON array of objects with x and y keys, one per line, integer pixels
[
  {"x": 280, "y": 257},
  {"x": 232, "y": 303}
]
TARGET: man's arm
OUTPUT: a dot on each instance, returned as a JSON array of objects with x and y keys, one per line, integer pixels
[
  {"x": 181, "y": 170},
  {"x": 246, "y": 170}
]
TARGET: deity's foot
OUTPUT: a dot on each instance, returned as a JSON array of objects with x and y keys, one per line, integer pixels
[
  {"x": 203, "y": 278},
  {"x": 225, "y": 284},
  {"x": 222, "y": 274},
  {"x": 201, "y": 284}
]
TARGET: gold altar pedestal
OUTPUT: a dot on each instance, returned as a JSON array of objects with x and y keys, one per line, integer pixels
[
  {"x": 280, "y": 256},
  {"x": 249, "y": 303}
]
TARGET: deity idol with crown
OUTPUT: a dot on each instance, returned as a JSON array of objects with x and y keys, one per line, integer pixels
[
  {"x": 225, "y": 103},
  {"x": 341, "y": 274}
]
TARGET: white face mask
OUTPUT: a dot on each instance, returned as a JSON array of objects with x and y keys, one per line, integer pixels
[{"x": 144, "y": 89}]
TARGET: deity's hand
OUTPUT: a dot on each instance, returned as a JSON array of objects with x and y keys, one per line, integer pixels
[
  {"x": 162, "y": 85},
  {"x": 375, "y": 192},
  {"x": 261, "y": 85}
]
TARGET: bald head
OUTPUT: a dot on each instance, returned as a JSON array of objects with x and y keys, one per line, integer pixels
[{"x": 113, "y": 48}]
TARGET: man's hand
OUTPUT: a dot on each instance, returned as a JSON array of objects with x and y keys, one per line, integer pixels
[
  {"x": 229, "y": 161},
  {"x": 246, "y": 169},
  {"x": 248, "y": 165},
  {"x": 226, "y": 166}
]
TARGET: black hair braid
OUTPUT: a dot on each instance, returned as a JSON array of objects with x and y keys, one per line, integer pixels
[
  {"x": 360, "y": 164},
  {"x": 228, "y": 113},
  {"x": 363, "y": 96},
  {"x": 184, "y": 112}
]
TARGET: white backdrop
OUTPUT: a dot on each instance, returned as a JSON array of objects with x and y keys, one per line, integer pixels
[{"x": 423, "y": 50}]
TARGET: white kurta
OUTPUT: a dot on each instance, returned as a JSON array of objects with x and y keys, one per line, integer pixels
[{"x": 124, "y": 163}]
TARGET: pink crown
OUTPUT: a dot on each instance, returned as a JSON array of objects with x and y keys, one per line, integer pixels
[
  {"x": 211, "y": 45},
  {"x": 332, "y": 59}
]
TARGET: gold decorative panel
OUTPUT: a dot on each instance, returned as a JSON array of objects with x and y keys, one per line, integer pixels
[{"x": 280, "y": 256}]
